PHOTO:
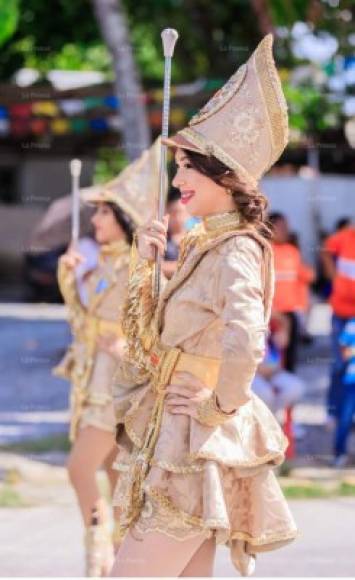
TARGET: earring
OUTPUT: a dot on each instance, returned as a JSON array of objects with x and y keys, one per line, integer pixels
[{"x": 229, "y": 191}]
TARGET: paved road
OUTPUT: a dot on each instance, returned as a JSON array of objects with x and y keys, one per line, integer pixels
[
  {"x": 32, "y": 401},
  {"x": 45, "y": 541}
]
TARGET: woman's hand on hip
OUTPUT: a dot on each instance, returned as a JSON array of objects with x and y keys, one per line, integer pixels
[
  {"x": 184, "y": 395},
  {"x": 152, "y": 235}
]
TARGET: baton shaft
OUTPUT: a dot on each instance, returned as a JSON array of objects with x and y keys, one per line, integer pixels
[
  {"x": 76, "y": 209},
  {"x": 162, "y": 184}
]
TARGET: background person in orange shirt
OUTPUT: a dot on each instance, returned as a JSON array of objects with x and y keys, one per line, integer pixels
[
  {"x": 338, "y": 256},
  {"x": 290, "y": 272},
  {"x": 306, "y": 278}
]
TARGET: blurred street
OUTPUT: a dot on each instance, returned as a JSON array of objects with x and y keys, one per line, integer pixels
[{"x": 33, "y": 403}]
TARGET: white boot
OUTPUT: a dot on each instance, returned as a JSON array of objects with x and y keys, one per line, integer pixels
[
  {"x": 99, "y": 551},
  {"x": 248, "y": 567},
  {"x": 98, "y": 542},
  {"x": 243, "y": 561}
]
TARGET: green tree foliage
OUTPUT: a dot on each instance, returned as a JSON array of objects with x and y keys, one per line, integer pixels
[
  {"x": 53, "y": 34},
  {"x": 109, "y": 163},
  {"x": 63, "y": 33},
  {"x": 215, "y": 38},
  {"x": 9, "y": 15},
  {"x": 310, "y": 111}
]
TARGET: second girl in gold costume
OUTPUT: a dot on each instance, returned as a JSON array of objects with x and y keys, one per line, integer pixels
[{"x": 95, "y": 317}]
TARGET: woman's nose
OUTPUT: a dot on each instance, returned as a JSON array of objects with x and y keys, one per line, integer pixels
[{"x": 178, "y": 180}]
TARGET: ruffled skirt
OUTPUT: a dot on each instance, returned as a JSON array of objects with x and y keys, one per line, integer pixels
[{"x": 218, "y": 481}]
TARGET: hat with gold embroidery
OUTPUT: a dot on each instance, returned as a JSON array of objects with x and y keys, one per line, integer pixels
[
  {"x": 134, "y": 190},
  {"x": 245, "y": 124}
]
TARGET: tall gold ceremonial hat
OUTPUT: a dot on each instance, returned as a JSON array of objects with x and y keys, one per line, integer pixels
[
  {"x": 135, "y": 189},
  {"x": 245, "y": 124}
]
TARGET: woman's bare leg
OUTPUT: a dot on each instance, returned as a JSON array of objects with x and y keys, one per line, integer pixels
[
  {"x": 112, "y": 475},
  {"x": 202, "y": 562},
  {"x": 89, "y": 452},
  {"x": 154, "y": 554}
]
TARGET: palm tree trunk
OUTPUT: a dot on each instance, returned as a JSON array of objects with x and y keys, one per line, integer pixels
[{"x": 114, "y": 29}]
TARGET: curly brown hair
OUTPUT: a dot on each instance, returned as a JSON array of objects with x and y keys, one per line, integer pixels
[{"x": 250, "y": 203}]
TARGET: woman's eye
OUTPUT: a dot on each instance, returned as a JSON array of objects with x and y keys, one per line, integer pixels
[{"x": 184, "y": 166}]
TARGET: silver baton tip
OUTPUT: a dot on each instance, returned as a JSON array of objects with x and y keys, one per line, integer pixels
[
  {"x": 169, "y": 37},
  {"x": 75, "y": 167}
]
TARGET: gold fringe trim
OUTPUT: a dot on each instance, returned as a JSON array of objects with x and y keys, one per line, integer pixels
[{"x": 138, "y": 312}]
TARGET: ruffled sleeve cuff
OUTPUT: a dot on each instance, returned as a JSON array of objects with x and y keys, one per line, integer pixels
[
  {"x": 139, "y": 308},
  {"x": 210, "y": 413}
]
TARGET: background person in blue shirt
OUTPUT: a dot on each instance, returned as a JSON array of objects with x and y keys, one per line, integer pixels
[{"x": 347, "y": 409}]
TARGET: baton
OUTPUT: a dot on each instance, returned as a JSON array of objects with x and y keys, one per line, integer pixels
[
  {"x": 169, "y": 37},
  {"x": 75, "y": 170}
]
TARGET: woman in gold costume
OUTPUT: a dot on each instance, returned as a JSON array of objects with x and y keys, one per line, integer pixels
[
  {"x": 95, "y": 312},
  {"x": 196, "y": 462}
]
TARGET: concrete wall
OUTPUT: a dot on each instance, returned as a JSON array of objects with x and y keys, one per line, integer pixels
[
  {"x": 42, "y": 180},
  {"x": 16, "y": 225},
  {"x": 333, "y": 196}
]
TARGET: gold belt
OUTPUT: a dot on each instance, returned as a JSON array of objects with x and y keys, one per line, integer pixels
[
  {"x": 94, "y": 327},
  {"x": 164, "y": 363}
]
